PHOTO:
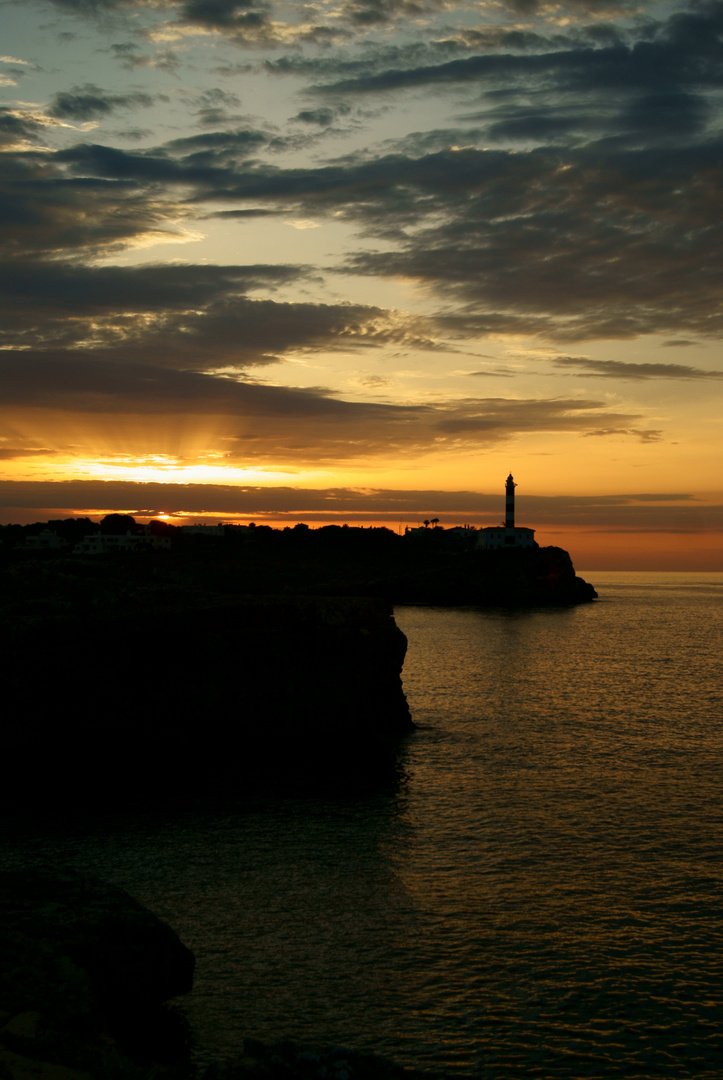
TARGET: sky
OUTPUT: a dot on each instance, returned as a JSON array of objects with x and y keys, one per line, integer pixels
[{"x": 357, "y": 260}]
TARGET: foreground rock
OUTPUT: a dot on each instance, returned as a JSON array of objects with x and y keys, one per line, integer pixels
[
  {"x": 289, "y": 1061},
  {"x": 85, "y": 972}
]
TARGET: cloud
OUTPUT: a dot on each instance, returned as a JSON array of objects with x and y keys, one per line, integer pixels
[
  {"x": 619, "y": 369},
  {"x": 262, "y": 22},
  {"x": 188, "y": 317},
  {"x": 44, "y": 213},
  {"x": 267, "y": 422},
  {"x": 565, "y": 243},
  {"x": 215, "y": 107},
  {"x": 12, "y": 453},
  {"x": 667, "y": 56},
  {"x": 568, "y": 244},
  {"x": 90, "y": 102},
  {"x": 643, "y": 434},
  {"x": 18, "y": 127},
  {"x": 491, "y": 415},
  {"x": 594, "y": 229},
  {"x": 322, "y": 117},
  {"x": 243, "y": 17}
]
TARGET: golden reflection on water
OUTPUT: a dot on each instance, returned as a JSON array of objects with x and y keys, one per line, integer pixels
[{"x": 565, "y": 823}]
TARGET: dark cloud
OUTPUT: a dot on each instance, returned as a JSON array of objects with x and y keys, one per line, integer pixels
[
  {"x": 90, "y": 102},
  {"x": 144, "y": 167},
  {"x": 252, "y": 22},
  {"x": 570, "y": 242},
  {"x": 218, "y": 146},
  {"x": 82, "y": 383},
  {"x": 9, "y": 453},
  {"x": 18, "y": 127},
  {"x": 619, "y": 369},
  {"x": 255, "y": 212},
  {"x": 682, "y": 52},
  {"x": 323, "y": 116},
  {"x": 495, "y": 415},
  {"x": 189, "y": 317},
  {"x": 44, "y": 213},
  {"x": 68, "y": 289},
  {"x": 237, "y": 15},
  {"x": 216, "y": 107},
  {"x": 573, "y": 244},
  {"x": 308, "y": 425}
]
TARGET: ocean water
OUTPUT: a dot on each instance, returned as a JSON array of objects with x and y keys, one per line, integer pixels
[{"x": 539, "y": 895}]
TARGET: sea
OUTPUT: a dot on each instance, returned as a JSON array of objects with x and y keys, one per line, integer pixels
[{"x": 538, "y": 892}]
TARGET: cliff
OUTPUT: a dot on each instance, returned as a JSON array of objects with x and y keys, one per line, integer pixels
[
  {"x": 160, "y": 704},
  {"x": 520, "y": 577}
]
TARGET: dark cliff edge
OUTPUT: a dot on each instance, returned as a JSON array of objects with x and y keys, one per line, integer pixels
[
  {"x": 87, "y": 982},
  {"x": 522, "y": 577},
  {"x": 271, "y": 657},
  {"x": 121, "y": 705}
]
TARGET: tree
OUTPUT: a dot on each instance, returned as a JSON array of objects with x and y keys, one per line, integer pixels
[{"x": 117, "y": 524}]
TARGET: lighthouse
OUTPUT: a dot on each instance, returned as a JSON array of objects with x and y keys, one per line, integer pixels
[
  {"x": 508, "y": 535},
  {"x": 510, "y": 503}
]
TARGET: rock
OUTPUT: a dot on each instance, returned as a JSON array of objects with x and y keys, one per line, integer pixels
[
  {"x": 127, "y": 951},
  {"x": 18, "y": 1067},
  {"x": 289, "y": 1061},
  {"x": 85, "y": 971}
]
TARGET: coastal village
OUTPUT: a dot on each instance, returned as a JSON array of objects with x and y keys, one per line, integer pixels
[{"x": 121, "y": 534}]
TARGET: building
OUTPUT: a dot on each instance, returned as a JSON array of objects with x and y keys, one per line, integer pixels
[
  {"x": 47, "y": 540},
  {"x": 508, "y": 535}
]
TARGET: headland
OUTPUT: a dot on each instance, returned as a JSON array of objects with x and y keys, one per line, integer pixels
[{"x": 149, "y": 661}]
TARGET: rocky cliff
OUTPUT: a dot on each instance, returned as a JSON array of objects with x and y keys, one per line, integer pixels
[
  {"x": 519, "y": 577},
  {"x": 109, "y": 706}
]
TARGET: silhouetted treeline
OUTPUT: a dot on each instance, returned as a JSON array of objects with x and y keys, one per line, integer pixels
[{"x": 299, "y": 536}]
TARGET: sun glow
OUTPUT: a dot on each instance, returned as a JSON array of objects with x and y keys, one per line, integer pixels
[{"x": 165, "y": 469}]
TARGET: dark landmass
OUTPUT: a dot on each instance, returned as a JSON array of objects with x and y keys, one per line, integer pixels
[
  {"x": 86, "y": 974},
  {"x": 427, "y": 566},
  {"x": 141, "y": 701},
  {"x": 218, "y": 661}
]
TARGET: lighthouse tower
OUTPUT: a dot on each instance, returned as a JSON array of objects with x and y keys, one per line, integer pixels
[
  {"x": 510, "y": 503},
  {"x": 508, "y": 535}
]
